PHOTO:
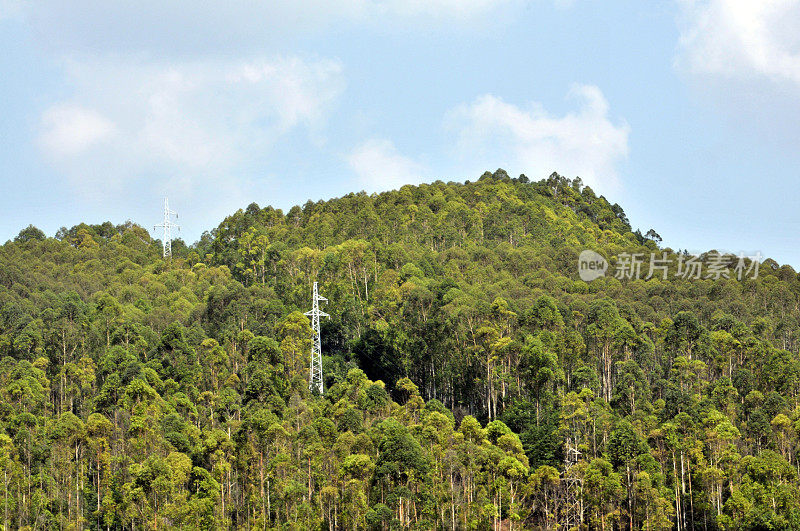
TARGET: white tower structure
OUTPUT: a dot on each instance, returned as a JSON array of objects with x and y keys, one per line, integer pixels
[
  {"x": 168, "y": 225},
  {"x": 315, "y": 375}
]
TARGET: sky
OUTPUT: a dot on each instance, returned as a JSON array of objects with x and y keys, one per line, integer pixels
[{"x": 685, "y": 112}]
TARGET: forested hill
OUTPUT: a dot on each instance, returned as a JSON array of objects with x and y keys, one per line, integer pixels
[{"x": 472, "y": 379}]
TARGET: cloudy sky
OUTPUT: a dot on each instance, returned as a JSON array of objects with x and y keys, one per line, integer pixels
[{"x": 685, "y": 112}]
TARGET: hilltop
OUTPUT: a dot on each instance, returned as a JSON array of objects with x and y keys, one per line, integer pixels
[{"x": 463, "y": 358}]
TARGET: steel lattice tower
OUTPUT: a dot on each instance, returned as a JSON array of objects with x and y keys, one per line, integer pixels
[
  {"x": 571, "y": 516},
  {"x": 315, "y": 374},
  {"x": 168, "y": 225}
]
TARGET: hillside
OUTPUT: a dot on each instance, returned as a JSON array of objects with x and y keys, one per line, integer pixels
[{"x": 464, "y": 356}]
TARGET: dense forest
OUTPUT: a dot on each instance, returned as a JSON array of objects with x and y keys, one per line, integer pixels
[{"x": 472, "y": 380}]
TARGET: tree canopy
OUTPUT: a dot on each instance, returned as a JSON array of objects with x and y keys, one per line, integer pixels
[{"x": 472, "y": 380}]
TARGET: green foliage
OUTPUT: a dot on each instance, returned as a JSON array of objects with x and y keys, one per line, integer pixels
[
  {"x": 30, "y": 233},
  {"x": 470, "y": 377}
]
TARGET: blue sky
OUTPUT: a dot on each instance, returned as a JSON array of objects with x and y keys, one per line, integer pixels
[{"x": 685, "y": 112}]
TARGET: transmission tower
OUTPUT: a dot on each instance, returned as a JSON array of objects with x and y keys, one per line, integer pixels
[
  {"x": 571, "y": 516},
  {"x": 315, "y": 375},
  {"x": 168, "y": 225}
]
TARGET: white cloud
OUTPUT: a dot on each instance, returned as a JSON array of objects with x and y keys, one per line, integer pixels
[
  {"x": 583, "y": 143},
  {"x": 380, "y": 167},
  {"x": 236, "y": 26},
  {"x": 10, "y": 8},
  {"x": 69, "y": 130},
  {"x": 742, "y": 39},
  {"x": 203, "y": 119}
]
